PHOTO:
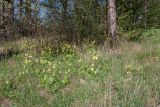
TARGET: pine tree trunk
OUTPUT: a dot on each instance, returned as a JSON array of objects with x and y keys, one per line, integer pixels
[
  {"x": 12, "y": 11},
  {"x": 145, "y": 13},
  {"x": 64, "y": 15},
  {"x": 112, "y": 24},
  {"x": 20, "y": 8},
  {"x": 3, "y": 12},
  {"x": 28, "y": 10}
]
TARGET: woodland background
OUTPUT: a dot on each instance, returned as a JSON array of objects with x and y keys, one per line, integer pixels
[{"x": 75, "y": 20}]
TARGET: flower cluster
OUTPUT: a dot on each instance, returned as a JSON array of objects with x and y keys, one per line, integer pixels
[
  {"x": 131, "y": 68},
  {"x": 27, "y": 58}
]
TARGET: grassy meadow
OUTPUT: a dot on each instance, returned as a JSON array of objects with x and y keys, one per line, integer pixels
[{"x": 90, "y": 76}]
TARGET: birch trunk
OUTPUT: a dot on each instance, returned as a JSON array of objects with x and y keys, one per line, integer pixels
[{"x": 112, "y": 23}]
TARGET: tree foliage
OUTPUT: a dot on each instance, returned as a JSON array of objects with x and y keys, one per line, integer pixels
[{"x": 75, "y": 20}]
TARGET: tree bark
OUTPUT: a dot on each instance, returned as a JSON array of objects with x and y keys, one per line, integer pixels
[
  {"x": 12, "y": 11},
  {"x": 112, "y": 23},
  {"x": 145, "y": 13},
  {"x": 64, "y": 15},
  {"x": 20, "y": 8},
  {"x": 28, "y": 10},
  {"x": 3, "y": 11}
]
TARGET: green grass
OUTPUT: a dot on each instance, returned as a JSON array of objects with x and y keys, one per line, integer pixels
[{"x": 123, "y": 77}]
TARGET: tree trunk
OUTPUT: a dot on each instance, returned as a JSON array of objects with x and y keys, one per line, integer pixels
[
  {"x": 12, "y": 11},
  {"x": 64, "y": 15},
  {"x": 28, "y": 20},
  {"x": 145, "y": 13},
  {"x": 3, "y": 11},
  {"x": 112, "y": 23},
  {"x": 20, "y": 8},
  {"x": 28, "y": 10},
  {"x": 36, "y": 9}
]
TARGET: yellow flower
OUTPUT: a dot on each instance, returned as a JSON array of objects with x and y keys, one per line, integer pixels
[
  {"x": 49, "y": 63},
  {"x": 67, "y": 45},
  {"x": 128, "y": 72},
  {"x": 65, "y": 72},
  {"x": 43, "y": 61},
  {"x": 53, "y": 66},
  {"x": 30, "y": 56},
  {"x": 95, "y": 57},
  {"x": 49, "y": 69},
  {"x": 95, "y": 72},
  {"x": 156, "y": 59},
  {"x": 92, "y": 69},
  {"x": 42, "y": 53},
  {"x": 7, "y": 82},
  {"x": 128, "y": 66},
  {"x": 80, "y": 60},
  {"x": 92, "y": 65},
  {"x": 27, "y": 61},
  {"x": 26, "y": 54}
]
